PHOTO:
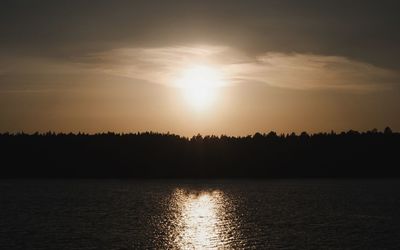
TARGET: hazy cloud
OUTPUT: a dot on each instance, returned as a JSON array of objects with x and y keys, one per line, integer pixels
[
  {"x": 365, "y": 31},
  {"x": 285, "y": 70}
]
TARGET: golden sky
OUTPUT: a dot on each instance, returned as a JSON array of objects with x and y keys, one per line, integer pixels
[{"x": 225, "y": 69}]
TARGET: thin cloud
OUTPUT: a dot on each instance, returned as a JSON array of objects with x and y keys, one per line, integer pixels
[{"x": 294, "y": 71}]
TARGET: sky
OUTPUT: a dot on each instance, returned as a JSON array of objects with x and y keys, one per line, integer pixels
[{"x": 210, "y": 67}]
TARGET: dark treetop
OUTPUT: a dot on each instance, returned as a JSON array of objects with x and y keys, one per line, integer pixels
[{"x": 154, "y": 155}]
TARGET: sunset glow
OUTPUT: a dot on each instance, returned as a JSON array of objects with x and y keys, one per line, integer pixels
[
  {"x": 200, "y": 67},
  {"x": 200, "y": 85},
  {"x": 213, "y": 124}
]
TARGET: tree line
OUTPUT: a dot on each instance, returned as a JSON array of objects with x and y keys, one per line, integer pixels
[{"x": 348, "y": 154}]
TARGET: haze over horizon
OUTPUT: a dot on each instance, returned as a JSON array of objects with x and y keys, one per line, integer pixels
[{"x": 209, "y": 67}]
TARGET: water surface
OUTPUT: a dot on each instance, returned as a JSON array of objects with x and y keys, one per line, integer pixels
[{"x": 201, "y": 214}]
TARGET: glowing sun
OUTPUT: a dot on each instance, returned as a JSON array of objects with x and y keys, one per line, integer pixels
[{"x": 200, "y": 84}]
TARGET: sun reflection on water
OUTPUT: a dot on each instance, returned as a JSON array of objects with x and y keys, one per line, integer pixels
[{"x": 200, "y": 220}]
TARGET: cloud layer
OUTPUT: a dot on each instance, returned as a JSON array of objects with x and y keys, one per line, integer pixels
[
  {"x": 294, "y": 70},
  {"x": 364, "y": 31}
]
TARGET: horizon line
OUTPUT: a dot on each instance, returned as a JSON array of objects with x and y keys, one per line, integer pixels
[{"x": 386, "y": 130}]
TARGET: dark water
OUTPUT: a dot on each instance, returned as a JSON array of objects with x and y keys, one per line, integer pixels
[{"x": 279, "y": 214}]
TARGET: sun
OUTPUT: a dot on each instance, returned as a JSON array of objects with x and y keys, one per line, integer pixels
[{"x": 200, "y": 84}]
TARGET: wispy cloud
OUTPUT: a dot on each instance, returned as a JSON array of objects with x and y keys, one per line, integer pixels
[
  {"x": 305, "y": 71},
  {"x": 165, "y": 65},
  {"x": 157, "y": 65},
  {"x": 295, "y": 71}
]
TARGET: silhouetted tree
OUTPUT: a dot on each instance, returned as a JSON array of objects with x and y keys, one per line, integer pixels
[
  {"x": 388, "y": 131},
  {"x": 153, "y": 155}
]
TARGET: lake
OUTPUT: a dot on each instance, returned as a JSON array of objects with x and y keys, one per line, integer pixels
[{"x": 200, "y": 214}]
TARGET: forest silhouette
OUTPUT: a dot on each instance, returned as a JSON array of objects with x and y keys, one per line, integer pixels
[{"x": 349, "y": 154}]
